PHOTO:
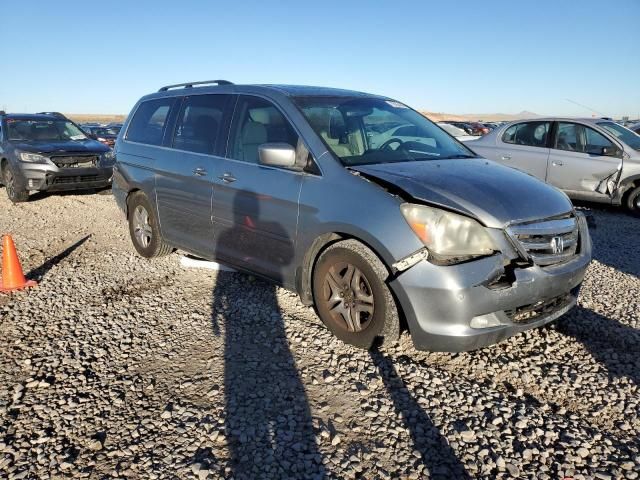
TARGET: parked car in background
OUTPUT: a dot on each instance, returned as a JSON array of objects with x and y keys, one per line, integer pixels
[
  {"x": 590, "y": 159},
  {"x": 116, "y": 127},
  {"x": 291, "y": 184},
  {"x": 456, "y": 132},
  {"x": 472, "y": 128},
  {"x": 635, "y": 127},
  {"x": 46, "y": 152},
  {"x": 106, "y": 135}
]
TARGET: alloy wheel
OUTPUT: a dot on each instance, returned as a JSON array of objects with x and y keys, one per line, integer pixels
[
  {"x": 348, "y": 297},
  {"x": 141, "y": 226}
]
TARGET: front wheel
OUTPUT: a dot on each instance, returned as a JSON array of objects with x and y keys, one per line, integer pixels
[
  {"x": 633, "y": 201},
  {"x": 15, "y": 191},
  {"x": 143, "y": 228},
  {"x": 351, "y": 296}
]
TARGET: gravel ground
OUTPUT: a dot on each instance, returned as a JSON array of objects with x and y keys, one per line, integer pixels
[{"x": 115, "y": 366}]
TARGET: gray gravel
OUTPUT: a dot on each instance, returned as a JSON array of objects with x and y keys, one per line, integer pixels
[{"x": 119, "y": 367}]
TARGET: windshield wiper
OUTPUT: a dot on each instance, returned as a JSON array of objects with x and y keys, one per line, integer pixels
[{"x": 461, "y": 155}]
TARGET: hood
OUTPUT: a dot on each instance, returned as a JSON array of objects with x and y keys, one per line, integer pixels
[
  {"x": 490, "y": 192},
  {"x": 71, "y": 146}
]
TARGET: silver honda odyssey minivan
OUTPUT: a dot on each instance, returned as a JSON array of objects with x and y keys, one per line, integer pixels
[{"x": 307, "y": 187}]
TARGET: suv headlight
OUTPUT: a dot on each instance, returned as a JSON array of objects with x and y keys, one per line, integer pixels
[
  {"x": 32, "y": 157},
  {"x": 108, "y": 157},
  {"x": 449, "y": 237}
]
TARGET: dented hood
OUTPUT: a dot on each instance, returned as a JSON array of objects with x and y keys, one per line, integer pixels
[{"x": 490, "y": 192}]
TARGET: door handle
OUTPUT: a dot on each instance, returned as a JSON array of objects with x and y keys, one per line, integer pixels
[
  {"x": 199, "y": 172},
  {"x": 556, "y": 163},
  {"x": 227, "y": 178},
  {"x": 506, "y": 157}
]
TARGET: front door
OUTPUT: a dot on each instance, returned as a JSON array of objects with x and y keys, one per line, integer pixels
[
  {"x": 255, "y": 208},
  {"x": 186, "y": 173},
  {"x": 577, "y": 164}
]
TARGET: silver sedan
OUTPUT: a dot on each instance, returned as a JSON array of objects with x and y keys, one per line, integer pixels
[{"x": 590, "y": 159}]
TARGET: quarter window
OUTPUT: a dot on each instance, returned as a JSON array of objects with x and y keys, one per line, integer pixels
[
  {"x": 199, "y": 124},
  {"x": 258, "y": 121},
  {"x": 149, "y": 122},
  {"x": 532, "y": 134}
]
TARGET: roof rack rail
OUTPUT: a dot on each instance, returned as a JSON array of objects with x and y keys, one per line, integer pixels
[
  {"x": 54, "y": 114},
  {"x": 191, "y": 84}
]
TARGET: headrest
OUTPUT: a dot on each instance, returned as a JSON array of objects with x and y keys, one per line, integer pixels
[{"x": 254, "y": 133}]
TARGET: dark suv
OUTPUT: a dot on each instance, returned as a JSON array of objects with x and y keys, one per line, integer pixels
[{"x": 48, "y": 152}]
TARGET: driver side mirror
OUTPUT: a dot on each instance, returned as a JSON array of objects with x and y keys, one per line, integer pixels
[
  {"x": 277, "y": 155},
  {"x": 609, "y": 152}
]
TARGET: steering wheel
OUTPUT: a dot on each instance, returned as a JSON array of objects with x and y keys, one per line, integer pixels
[{"x": 390, "y": 142}]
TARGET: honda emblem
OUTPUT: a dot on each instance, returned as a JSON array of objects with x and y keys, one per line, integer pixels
[{"x": 557, "y": 245}]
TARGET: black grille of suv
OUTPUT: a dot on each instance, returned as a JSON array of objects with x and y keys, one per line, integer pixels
[
  {"x": 75, "y": 179},
  {"x": 547, "y": 242},
  {"x": 75, "y": 161}
]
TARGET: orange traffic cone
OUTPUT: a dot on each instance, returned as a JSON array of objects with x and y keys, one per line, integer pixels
[{"x": 12, "y": 276}]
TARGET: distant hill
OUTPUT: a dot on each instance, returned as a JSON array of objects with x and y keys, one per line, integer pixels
[
  {"x": 97, "y": 118},
  {"x": 489, "y": 117}
]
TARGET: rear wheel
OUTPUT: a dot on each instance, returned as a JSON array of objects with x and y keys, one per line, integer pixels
[
  {"x": 351, "y": 296},
  {"x": 15, "y": 191},
  {"x": 633, "y": 201},
  {"x": 144, "y": 228}
]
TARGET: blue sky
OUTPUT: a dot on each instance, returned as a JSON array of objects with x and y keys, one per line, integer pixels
[{"x": 456, "y": 57}]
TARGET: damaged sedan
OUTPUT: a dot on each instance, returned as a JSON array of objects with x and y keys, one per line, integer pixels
[
  {"x": 291, "y": 184},
  {"x": 590, "y": 159}
]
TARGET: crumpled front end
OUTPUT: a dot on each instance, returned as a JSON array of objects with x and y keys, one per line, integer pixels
[{"x": 534, "y": 279}]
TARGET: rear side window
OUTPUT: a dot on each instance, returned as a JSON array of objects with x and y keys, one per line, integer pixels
[
  {"x": 150, "y": 121},
  {"x": 532, "y": 134},
  {"x": 200, "y": 123}
]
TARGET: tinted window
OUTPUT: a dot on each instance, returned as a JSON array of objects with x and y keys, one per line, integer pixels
[
  {"x": 533, "y": 134},
  {"x": 567, "y": 138},
  {"x": 199, "y": 123},
  {"x": 595, "y": 142},
  {"x": 149, "y": 122},
  {"x": 258, "y": 121}
]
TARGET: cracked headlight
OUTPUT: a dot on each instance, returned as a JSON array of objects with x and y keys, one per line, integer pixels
[
  {"x": 449, "y": 237},
  {"x": 32, "y": 157}
]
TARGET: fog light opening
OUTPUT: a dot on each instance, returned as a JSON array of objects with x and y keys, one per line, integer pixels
[{"x": 485, "y": 321}]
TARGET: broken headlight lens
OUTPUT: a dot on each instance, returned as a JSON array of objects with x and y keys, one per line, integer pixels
[{"x": 449, "y": 237}]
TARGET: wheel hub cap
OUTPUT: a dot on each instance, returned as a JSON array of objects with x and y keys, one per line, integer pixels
[
  {"x": 348, "y": 297},
  {"x": 141, "y": 226}
]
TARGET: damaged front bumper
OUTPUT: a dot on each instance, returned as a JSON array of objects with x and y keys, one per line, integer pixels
[{"x": 458, "y": 307}]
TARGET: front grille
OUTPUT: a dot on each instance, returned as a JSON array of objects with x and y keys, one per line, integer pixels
[
  {"x": 75, "y": 161},
  {"x": 531, "y": 313},
  {"x": 75, "y": 179},
  {"x": 546, "y": 242}
]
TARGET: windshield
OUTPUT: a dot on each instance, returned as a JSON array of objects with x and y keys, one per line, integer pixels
[
  {"x": 624, "y": 134},
  {"x": 43, "y": 130},
  {"x": 366, "y": 131}
]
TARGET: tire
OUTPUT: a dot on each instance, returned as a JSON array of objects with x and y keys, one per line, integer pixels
[
  {"x": 632, "y": 202},
  {"x": 15, "y": 191},
  {"x": 348, "y": 271},
  {"x": 144, "y": 228}
]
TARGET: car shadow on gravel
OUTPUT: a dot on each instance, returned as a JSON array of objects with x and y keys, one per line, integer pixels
[
  {"x": 436, "y": 453},
  {"x": 614, "y": 345},
  {"x": 42, "y": 270},
  {"x": 268, "y": 422}
]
